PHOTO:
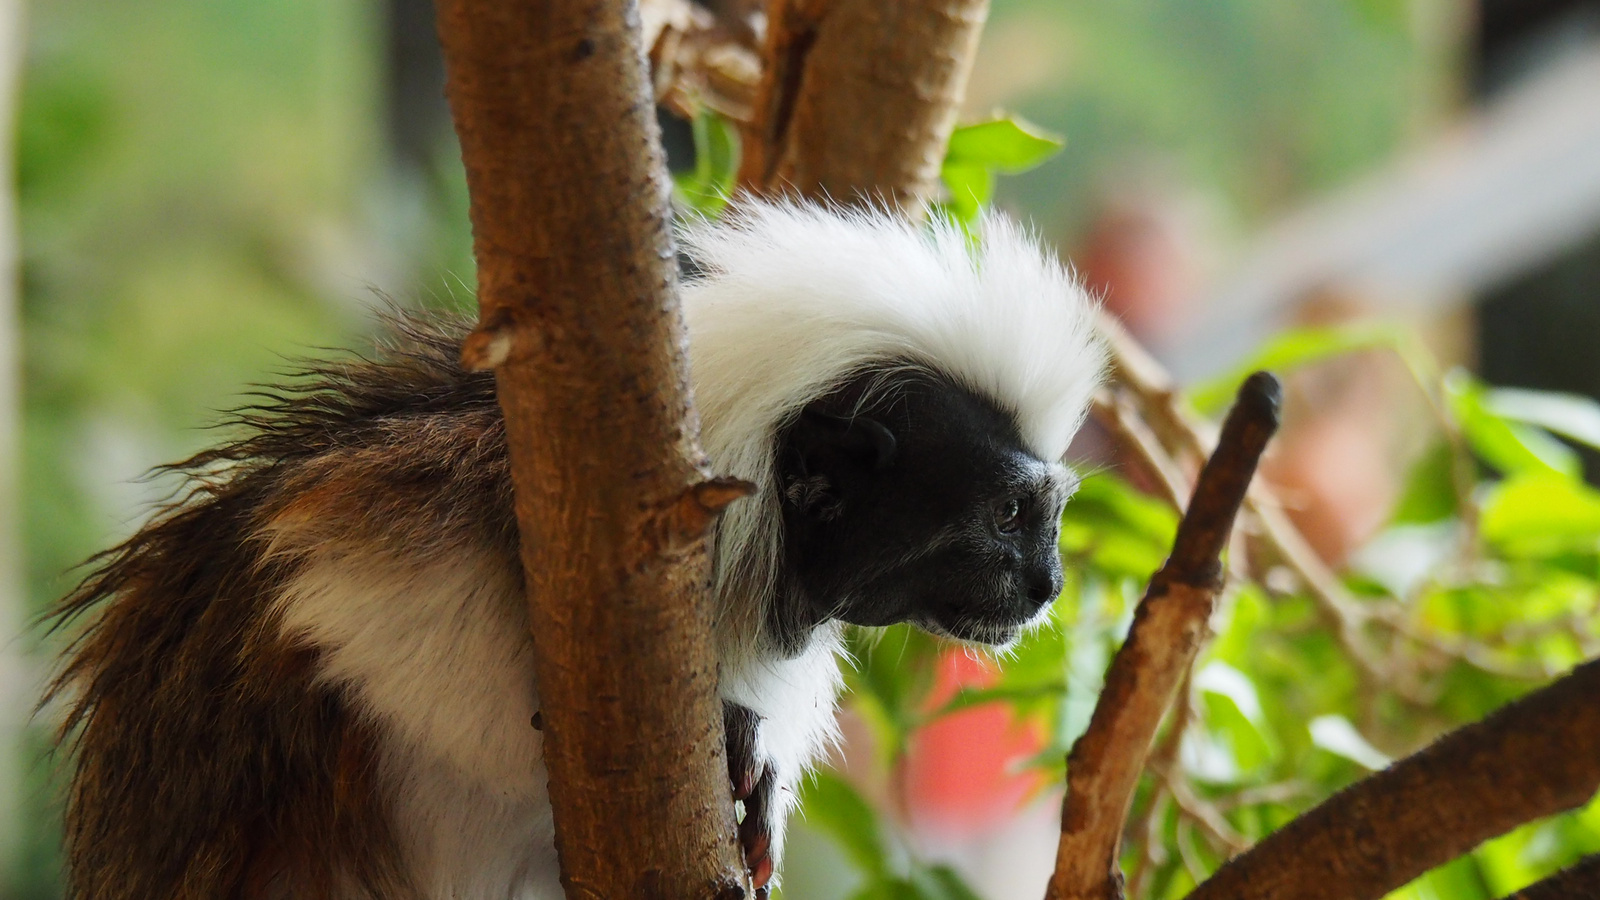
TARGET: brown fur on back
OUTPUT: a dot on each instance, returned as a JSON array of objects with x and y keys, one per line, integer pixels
[{"x": 210, "y": 762}]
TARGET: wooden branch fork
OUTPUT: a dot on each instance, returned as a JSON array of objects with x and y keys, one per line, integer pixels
[{"x": 1168, "y": 627}]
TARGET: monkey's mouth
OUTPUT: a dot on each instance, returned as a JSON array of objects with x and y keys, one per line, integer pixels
[{"x": 975, "y": 631}]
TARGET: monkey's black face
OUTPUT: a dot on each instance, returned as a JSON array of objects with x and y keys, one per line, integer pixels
[{"x": 907, "y": 498}]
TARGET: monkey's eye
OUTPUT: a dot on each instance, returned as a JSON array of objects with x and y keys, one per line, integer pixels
[{"x": 1008, "y": 516}]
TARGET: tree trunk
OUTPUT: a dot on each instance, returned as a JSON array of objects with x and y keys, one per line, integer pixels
[
  {"x": 579, "y": 317},
  {"x": 858, "y": 97}
]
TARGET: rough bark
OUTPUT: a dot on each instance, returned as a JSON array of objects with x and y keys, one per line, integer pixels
[
  {"x": 1537, "y": 757},
  {"x": 858, "y": 97},
  {"x": 579, "y": 318},
  {"x": 1168, "y": 626},
  {"x": 1580, "y": 880}
]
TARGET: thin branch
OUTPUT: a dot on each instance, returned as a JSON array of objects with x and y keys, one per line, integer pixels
[
  {"x": 1278, "y": 792},
  {"x": 1105, "y": 763},
  {"x": 1164, "y": 763},
  {"x": 1144, "y": 826},
  {"x": 1472, "y": 653},
  {"x": 1210, "y": 819},
  {"x": 1115, "y": 412},
  {"x": 1153, "y": 853},
  {"x": 1162, "y": 759},
  {"x": 1534, "y": 758},
  {"x": 1180, "y": 429}
]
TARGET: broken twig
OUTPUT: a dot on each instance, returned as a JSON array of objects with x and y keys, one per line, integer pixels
[{"x": 1104, "y": 766}]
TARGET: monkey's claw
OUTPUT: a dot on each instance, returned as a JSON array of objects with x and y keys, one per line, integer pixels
[
  {"x": 752, "y": 783},
  {"x": 755, "y": 832}
]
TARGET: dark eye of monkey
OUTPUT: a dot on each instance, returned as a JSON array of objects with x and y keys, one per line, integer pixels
[{"x": 1008, "y": 515}]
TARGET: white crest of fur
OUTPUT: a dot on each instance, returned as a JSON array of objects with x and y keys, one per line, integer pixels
[{"x": 795, "y": 298}]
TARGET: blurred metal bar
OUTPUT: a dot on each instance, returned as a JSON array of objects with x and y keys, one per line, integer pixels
[{"x": 1510, "y": 188}]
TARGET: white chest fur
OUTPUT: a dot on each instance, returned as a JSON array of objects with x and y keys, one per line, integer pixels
[{"x": 436, "y": 653}]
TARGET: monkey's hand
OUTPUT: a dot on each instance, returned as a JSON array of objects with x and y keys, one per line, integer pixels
[{"x": 753, "y": 784}]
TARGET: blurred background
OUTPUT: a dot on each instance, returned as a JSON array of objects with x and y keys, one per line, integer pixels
[{"x": 206, "y": 189}]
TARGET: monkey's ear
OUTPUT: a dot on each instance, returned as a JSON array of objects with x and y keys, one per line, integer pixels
[
  {"x": 830, "y": 458},
  {"x": 861, "y": 439}
]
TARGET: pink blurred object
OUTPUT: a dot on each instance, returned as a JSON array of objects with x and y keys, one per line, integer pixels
[{"x": 961, "y": 776}]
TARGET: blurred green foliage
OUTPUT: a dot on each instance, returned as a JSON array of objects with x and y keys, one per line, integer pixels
[
  {"x": 1257, "y": 102},
  {"x": 203, "y": 193}
]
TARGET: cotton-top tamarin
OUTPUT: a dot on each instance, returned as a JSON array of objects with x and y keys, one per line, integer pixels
[{"x": 310, "y": 674}]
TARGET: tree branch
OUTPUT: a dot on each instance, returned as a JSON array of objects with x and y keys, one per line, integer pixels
[
  {"x": 578, "y": 310},
  {"x": 859, "y": 97},
  {"x": 1114, "y": 411},
  {"x": 1537, "y": 757},
  {"x": 1105, "y": 763}
]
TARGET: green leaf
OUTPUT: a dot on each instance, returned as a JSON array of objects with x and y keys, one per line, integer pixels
[
  {"x": 941, "y": 883},
  {"x": 1291, "y": 350},
  {"x": 1228, "y": 726},
  {"x": 1509, "y": 446},
  {"x": 976, "y": 152},
  {"x": 1007, "y": 144},
  {"x": 1538, "y": 509},
  {"x": 1430, "y": 491},
  {"x": 1336, "y": 735},
  {"x": 966, "y": 698},
  {"x": 833, "y": 807},
  {"x": 1104, "y": 500},
  {"x": 707, "y": 187},
  {"x": 1224, "y": 680},
  {"x": 1569, "y": 415},
  {"x": 971, "y": 186},
  {"x": 892, "y": 674},
  {"x": 1117, "y": 531}
]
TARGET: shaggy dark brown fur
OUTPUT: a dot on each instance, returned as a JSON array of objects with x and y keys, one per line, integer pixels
[{"x": 209, "y": 761}]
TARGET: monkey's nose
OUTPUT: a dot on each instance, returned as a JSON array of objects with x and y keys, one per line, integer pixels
[{"x": 1042, "y": 587}]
